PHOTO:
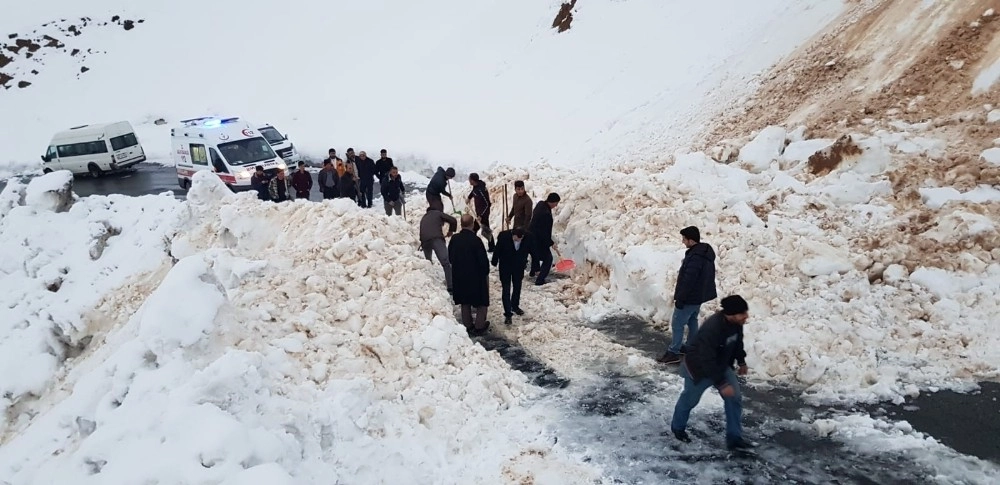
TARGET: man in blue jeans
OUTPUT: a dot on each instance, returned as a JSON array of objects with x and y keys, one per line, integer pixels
[
  {"x": 709, "y": 362},
  {"x": 695, "y": 285}
]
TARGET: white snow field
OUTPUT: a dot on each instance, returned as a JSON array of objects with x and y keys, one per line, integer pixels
[
  {"x": 241, "y": 363},
  {"x": 453, "y": 81}
]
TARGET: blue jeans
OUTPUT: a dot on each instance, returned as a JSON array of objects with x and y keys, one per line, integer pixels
[
  {"x": 687, "y": 315},
  {"x": 691, "y": 395}
]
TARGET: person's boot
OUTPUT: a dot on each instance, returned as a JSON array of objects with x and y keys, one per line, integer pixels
[
  {"x": 669, "y": 358},
  {"x": 740, "y": 444},
  {"x": 507, "y": 320},
  {"x": 519, "y": 312},
  {"x": 681, "y": 435}
]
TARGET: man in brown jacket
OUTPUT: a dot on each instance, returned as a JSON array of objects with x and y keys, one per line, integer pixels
[
  {"x": 520, "y": 208},
  {"x": 431, "y": 239}
]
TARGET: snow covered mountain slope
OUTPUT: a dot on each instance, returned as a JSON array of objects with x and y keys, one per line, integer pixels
[{"x": 445, "y": 80}]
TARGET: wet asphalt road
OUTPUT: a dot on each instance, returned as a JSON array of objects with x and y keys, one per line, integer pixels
[{"x": 628, "y": 415}]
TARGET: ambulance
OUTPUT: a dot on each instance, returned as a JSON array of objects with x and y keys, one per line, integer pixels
[{"x": 229, "y": 147}]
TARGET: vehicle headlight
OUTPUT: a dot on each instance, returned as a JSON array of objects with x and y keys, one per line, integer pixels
[{"x": 243, "y": 174}]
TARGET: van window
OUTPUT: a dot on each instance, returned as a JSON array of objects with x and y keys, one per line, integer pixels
[
  {"x": 124, "y": 141},
  {"x": 247, "y": 151},
  {"x": 217, "y": 162},
  {"x": 81, "y": 149},
  {"x": 272, "y": 135},
  {"x": 198, "y": 155},
  {"x": 51, "y": 154}
]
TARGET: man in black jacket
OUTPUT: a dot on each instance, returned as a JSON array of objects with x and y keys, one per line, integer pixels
[
  {"x": 432, "y": 239},
  {"x": 366, "y": 179},
  {"x": 709, "y": 362},
  {"x": 540, "y": 229},
  {"x": 438, "y": 186},
  {"x": 480, "y": 197},
  {"x": 695, "y": 285},
  {"x": 392, "y": 189},
  {"x": 382, "y": 167},
  {"x": 510, "y": 256},
  {"x": 470, "y": 275}
]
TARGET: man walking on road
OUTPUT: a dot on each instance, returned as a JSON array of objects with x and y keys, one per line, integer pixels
[
  {"x": 510, "y": 256},
  {"x": 438, "y": 186},
  {"x": 392, "y": 192},
  {"x": 695, "y": 285},
  {"x": 302, "y": 181},
  {"x": 541, "y": 236},
  {"x": 481, "y": 205},
  {"x": 366, "y": 180},
  {"x": 431, "y": 239},
  {"x": 708, "y": 363},
  {"x": 471, "y": 276}
]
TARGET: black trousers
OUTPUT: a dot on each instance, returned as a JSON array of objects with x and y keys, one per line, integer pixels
[
  {"x": 330, "y": 192},
  {"x": 544, "y": 256},
  {"x": 508, "y": 279},
  {"x": 366, "y": 194}
]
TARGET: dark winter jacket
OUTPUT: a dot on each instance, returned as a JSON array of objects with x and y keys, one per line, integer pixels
[
  {"x": 430, "y": 225},
  {"x": 520, "y": 211},
  {"x": 481, "y": 198},
  {"x": 439, "y": 184},
  {"x": 470, "y": 268},
  {"x": 302, "y": 181},
  {"x": 366, "y": 171},
  {"x": 392, "y": 189},
  {"x": 382, "y": 167},
  {"x": 696, "y": 280},
  {"x": 260, "y": 184},
  {"x": 506, "y": 257},
  {"x": 348, "y": 186},
  {"x": 541, "y": 226},
  {"x": 328, "y": 178},
  {"x": 717, "y": 345}
]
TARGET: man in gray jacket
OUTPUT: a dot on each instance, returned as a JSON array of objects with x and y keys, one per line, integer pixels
[{"x": 431, "y": 238}]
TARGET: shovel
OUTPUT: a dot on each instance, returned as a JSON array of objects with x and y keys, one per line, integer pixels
[{"x": 564, "y": 264}]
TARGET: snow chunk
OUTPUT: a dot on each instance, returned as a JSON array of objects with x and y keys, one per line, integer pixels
[
  {"x": 937, "y": 197},
  {"x": 800, "y": 151},
  {"x": 991, "y": 155},
  {"x": 986, "y": 78},
  {"x": 824, "y": 260},
  {"x": 943, "y": 284},
  {"x": 165, "y": 325},
  {"x": 51, "y": 192},
  {"x": 993, "y": 116},
  {"x": 763, "y": 149}
]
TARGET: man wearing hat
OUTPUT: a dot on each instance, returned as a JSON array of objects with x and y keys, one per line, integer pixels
[
  {"x": 695, "y": 285},
  {"x": 709, "y": 362}
]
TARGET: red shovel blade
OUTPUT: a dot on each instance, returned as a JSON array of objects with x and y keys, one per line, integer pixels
[{"x": 565, "y": 265}]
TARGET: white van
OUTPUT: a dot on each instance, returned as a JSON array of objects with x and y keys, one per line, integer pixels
[
  {"x": 94, "y": 149},
  {"x": 230, "y": 147},
  {"x": 280, "y": 143}
]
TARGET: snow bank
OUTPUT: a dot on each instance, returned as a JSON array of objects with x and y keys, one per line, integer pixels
[
  {"x": 292, "y": 343},
  {"x": 938, "y": 197},
  {"x": 765, "y": 148},
  {"x": 844, "y": 321},
  {"x": 51, "y": 192}
]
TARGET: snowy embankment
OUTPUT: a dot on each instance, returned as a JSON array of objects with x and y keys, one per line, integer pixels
[
  {"x": 846, "y": 300},
  {"x": 299, "y": 343}
]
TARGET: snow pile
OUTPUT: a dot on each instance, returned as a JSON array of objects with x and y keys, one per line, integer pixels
[
  {"x": 842, "y": 302},
  {"x": 51, "y": 192},
  {"x": 56, "y": 268},
  {"x": 293, "y": 343},
  {"x": 490, "y": 81}
]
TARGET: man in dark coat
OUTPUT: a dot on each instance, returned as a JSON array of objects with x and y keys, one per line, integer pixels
[
  {"x": 709, "y": 362},
  {"x": 471, "y": 272},
  {"x": 366, "y": 179},
  {"x": 347, "y": 186},
  {"x": 510, "y": 257},
  {"x": 302, "y": 181},
  {"x": 432, "y": 240},
  {"x": 382, "y": 167},
  {"x": 695, "y": 285},
  {"x": 540, "y": 229},
  {"x": 480, "y": 197},
  {"x": 329, "y": 180},
  {"x": 520, "y": 207},
  {"x": 438, "y": 186},
  {"x": 392, "y": 189},
  {"x": 260, "y": 182}
]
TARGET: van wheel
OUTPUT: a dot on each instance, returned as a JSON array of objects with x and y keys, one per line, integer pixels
[
  {"x": 94, "y": 170},
  {"x": 47, "y": 170},
  {"x": 184, "y": 183}
]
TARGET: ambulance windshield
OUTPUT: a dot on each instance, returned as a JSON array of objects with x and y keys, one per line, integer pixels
[{"x": 248, "y": 151}]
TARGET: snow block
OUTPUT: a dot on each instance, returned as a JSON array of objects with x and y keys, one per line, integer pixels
[
  {"x": 765, "y": 148},
  {"x": 991, "y": 156},
  {"x": 51, "y": 192},
  {"x": 166, "y": 325}
]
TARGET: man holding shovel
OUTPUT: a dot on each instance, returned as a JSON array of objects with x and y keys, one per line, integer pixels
[
  {"x": 541, "y": 232},
  {"x": 438, "y": 186},
  {"x": 432, "y": 240},
  {"x": 481, "y": 205}
]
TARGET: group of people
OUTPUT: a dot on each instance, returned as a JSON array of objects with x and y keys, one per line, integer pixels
[
  {"x": 353, "y": 178},
  {"x": 708, "y": 355},
  {"x": 465, "y": 259}
]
